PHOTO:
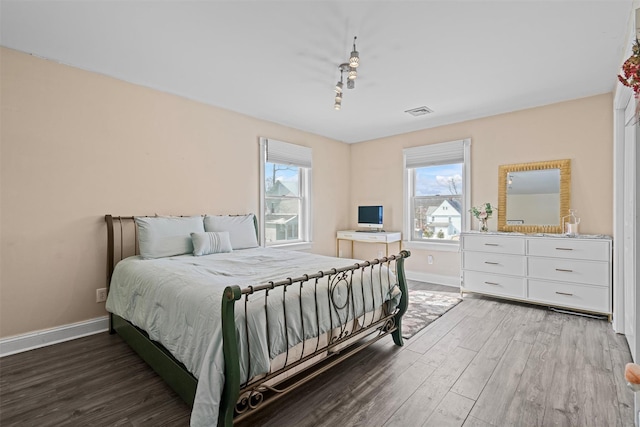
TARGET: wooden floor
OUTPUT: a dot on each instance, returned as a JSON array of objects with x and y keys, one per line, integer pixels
[{"x": 484, "y": 363}]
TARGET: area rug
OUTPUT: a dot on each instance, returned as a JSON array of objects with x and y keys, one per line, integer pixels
[{"x": 424, "y": 308}]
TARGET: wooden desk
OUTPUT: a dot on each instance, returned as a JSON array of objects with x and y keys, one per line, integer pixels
[{"x": 385, "y": 237}]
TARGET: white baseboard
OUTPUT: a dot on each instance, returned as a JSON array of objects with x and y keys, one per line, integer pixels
[
  {"x": 43, "y": 338},
  {"x": 438, "y": 279}
]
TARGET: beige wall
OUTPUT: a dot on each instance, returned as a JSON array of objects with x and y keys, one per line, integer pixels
[
  {"x": 77, "y": 145},
  {"x": 580, "y": 130}
]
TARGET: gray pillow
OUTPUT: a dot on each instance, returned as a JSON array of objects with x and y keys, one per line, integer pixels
[
  {"x": 163, "y": 236},
  {"x": 211, "y": 243},
  {"x": 241, "y": 228}
]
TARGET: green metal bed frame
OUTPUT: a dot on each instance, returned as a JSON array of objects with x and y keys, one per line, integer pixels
[{"x": 240, "y": 400}]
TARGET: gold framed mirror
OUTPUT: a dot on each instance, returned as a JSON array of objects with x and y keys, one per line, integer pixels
[{"x": 533, "y": 197}]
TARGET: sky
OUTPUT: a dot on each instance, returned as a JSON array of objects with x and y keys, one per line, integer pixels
[
  {"x": 288, "y": 176},
  {"x": 434, "y": 180}
]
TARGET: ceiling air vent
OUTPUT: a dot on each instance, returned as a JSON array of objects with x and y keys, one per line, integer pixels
[{"x": 420, "y": 111}]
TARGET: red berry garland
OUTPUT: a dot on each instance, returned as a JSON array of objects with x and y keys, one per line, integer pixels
[{"x": 631, "y": 70}]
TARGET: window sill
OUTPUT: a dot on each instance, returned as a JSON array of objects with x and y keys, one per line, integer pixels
[
  {"x": 432, "y": 246},
  {"x": 297, "y": 246}
]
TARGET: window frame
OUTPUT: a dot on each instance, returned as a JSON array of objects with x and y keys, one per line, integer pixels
[
  {"x": 305, "y": 220},
  {"x": 409, "y": 191}
]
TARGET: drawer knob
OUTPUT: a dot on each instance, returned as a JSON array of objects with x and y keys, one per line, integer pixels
[
  {"x": 564, "y": 293},
  {"x": 491, "y": 263},
  {"x": 565, "y": 270},
  {"x": 492, "y": 283},
  {"x": 564, "y": 249}
]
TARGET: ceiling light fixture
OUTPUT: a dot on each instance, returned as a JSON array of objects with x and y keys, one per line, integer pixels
[{"x": 352, "y": 74}]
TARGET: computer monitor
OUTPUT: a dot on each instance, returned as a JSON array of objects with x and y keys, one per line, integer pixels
[{"x": 370, "y": 217}]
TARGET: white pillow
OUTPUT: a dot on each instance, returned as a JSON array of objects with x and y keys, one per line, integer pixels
[
  {"x": 241, "y": 228},
  {"x": 211, "y": 243},
  {"x": 163, "y": 236}
]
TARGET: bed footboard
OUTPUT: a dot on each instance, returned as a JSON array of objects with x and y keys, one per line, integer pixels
[{"x": 356, "y": 331}]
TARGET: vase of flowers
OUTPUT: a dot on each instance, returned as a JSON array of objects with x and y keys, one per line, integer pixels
[{"x": 482, "y": 213}]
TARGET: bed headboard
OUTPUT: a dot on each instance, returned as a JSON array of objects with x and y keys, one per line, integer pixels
[{"x": 122, "y": 239}]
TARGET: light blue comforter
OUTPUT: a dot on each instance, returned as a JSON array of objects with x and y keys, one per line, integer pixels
[{"x": 177, "y": 300}]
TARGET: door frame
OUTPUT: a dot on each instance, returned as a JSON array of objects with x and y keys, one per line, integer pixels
[{"x": 620, "y": 101}]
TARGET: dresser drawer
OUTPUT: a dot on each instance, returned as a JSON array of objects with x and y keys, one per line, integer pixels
[
  {"x": 596, "y": 250},
  {"x": 494, "y": 263},
  {"x": 569, "y": 270},
  {"x": 591, "y": 298},
  {"x": 493, "y": 284},
  {"x": 493, "y": 243}
]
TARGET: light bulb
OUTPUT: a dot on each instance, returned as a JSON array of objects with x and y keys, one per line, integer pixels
[
  {"x": 354, "y": 60},
  {"x": 353, "y": 73}
]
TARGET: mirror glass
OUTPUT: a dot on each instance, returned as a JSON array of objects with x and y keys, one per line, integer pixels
[{"x": 533, "y": 197}]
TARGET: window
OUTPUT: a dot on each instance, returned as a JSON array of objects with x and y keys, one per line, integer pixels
[
  {"x": 436, "y": 196},
  {"x": 285, "y": 204}
]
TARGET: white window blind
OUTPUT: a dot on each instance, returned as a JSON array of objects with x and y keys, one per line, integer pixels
[
  {"x": 284, "y": 153},
  {"x": 434, "y": 154}
]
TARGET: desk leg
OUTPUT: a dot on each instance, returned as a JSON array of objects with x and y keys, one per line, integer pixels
[{"x": 338, "y": 248}]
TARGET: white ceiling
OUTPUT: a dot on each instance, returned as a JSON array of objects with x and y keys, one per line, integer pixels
[{"x": 278, "y": 60}]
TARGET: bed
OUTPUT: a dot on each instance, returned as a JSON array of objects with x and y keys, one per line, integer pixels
[{"x": 231, "y": 326}]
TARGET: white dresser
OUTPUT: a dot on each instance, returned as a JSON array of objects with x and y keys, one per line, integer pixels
[{"x": 566, "y": 272}]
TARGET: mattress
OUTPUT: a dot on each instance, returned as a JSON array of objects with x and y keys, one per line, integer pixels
[{"x": 177, "y": 301}]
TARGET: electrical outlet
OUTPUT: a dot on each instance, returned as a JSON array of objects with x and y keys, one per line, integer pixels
[
  {"x": 430, "y": 259},
  {"x": 380, "y": 254},
  {"x": 101, "y": 295}
]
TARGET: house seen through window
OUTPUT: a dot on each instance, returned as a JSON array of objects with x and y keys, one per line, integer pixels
[{"x": 283, "y": 202}]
